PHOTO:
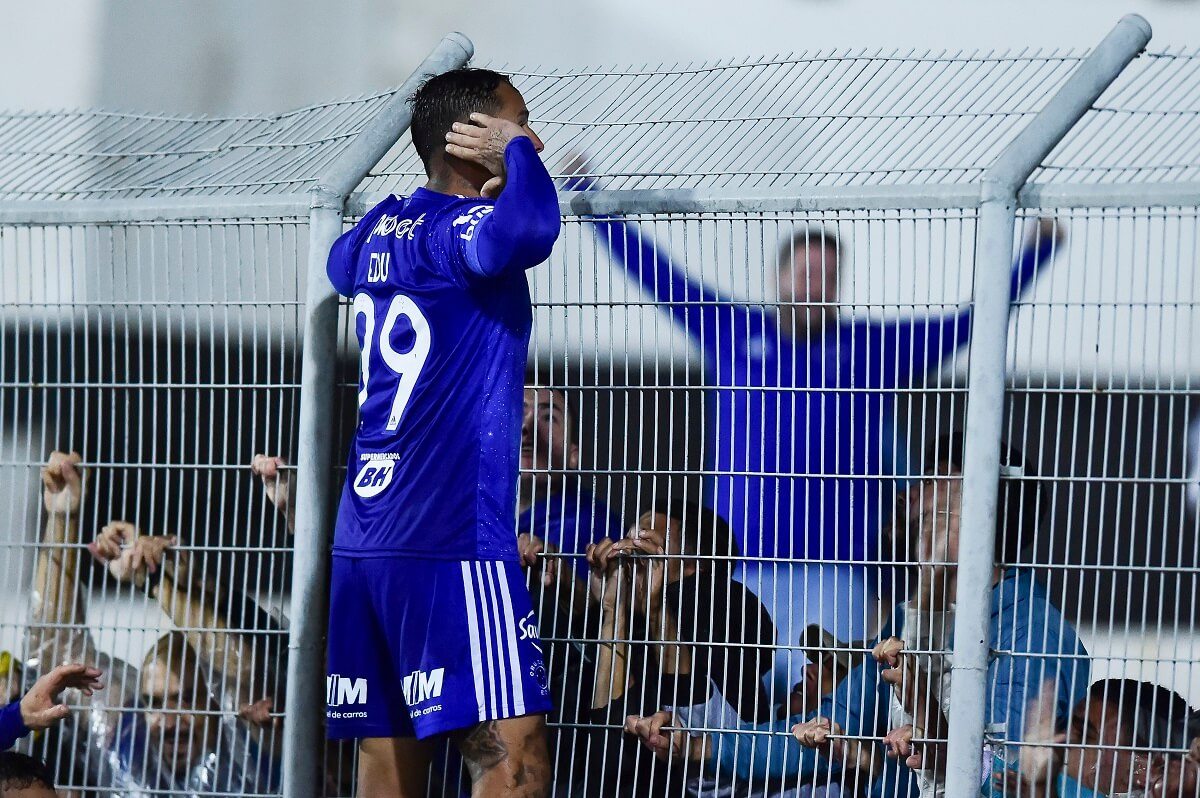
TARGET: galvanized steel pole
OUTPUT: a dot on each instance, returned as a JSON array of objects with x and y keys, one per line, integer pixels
[
  {"x": 304, "y": 730},
  {"x": 985, "y": 395}
]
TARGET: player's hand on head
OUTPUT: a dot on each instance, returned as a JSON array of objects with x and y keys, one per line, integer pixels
[
  {"x": 41, "y": 707},
  {"x": 62, "y": 483},
  {"x": 483, "y": 141}
]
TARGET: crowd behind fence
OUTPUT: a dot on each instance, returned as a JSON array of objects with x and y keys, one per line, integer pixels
[{"x": 859, "y": 381}]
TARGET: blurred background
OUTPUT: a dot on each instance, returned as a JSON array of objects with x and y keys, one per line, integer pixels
[
  {"x": 265, "y": 56},
  {"x": 1131, "y": 372}
]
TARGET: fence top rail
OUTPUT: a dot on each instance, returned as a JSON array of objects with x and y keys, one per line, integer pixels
[
  {"x": 828, "y": 119},
  {"x": 689, "y": 202}
]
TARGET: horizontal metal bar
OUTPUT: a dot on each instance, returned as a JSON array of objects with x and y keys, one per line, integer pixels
[
  {"x": 156, "y": 209},
  {"x": 637, "y": 201},
  {"x": 1110, "y": 195}
]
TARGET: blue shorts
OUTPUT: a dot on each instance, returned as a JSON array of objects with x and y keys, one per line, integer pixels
[{"x": 419, "y": 647}]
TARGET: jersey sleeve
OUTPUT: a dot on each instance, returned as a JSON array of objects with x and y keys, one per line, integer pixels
[
  {"x": 12, "y": 728},
  {"x": 516, "y": 232},
  {"x": 343, "y": 255}
]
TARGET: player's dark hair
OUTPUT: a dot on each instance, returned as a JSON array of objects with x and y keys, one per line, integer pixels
[
  {"x": 805, "y": 237},
  {"x": 448, "y": 98},
  {"x": 1018, "y": 507},
  {"x": 704, "y": 533},
  {"x": 20, "y": 772}
]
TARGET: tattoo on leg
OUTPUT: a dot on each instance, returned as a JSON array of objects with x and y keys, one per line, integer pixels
[{"x": 482, "y": 748}]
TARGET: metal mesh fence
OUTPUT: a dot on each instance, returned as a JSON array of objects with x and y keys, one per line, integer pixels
[
  {"x": 749, "y": 364},
  {"x": 165, "y": 356}
]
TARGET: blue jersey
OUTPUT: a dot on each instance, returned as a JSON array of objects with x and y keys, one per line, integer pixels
[
  {"x": 800, "y": 433},
  {"x": 443, "y": 316}
]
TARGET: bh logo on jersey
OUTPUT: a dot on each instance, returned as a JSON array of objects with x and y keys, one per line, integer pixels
[{"x": 374, "y": 477}]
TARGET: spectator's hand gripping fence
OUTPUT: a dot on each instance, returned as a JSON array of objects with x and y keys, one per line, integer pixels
[{"x": 684, "y": 359}]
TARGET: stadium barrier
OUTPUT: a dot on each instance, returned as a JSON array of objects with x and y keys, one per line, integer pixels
[{"x": 167, "y": 315}]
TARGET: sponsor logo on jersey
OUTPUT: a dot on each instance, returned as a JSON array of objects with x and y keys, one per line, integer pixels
[
  {"x": 529, "y": 630},
  {"x": 471, "y": 219},
  {"x": 342, "y": 690},
  {"x": 422, "y": 686},
  {"x": 394, "y": 225},
  {"x": 374, "y": 477}
]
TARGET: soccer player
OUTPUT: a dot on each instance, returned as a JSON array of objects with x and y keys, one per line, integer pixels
[{"x": 431, "y": 631}]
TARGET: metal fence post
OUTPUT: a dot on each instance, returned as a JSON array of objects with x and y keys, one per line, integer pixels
[
  {"x": 304, "y": 730},
  {"x": 985, "y": 402}
]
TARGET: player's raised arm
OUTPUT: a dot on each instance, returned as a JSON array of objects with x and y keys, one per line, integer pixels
[
  {"x": 520, "y": 231},
  {"x": 703, "y": 315},
  {"x": 913, "y": 347},
  {"x": 58, "y": 629}
]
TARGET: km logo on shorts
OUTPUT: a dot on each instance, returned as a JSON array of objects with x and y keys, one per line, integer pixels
[
  {"x": 341, "y": 690},
  {"x": 420, "y": 686}
]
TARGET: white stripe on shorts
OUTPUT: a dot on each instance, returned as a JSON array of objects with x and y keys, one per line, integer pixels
[
  {"x": 498, "y": 637},
  {"x": 473, "y": 633},
  {"x": 513, "y": 655},
  {"x": 489, "y": 660}
]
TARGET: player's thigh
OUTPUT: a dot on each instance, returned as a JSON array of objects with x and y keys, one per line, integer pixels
[
  {"x": 507, "y": 757},
  {"x": 393, "y": 766}
]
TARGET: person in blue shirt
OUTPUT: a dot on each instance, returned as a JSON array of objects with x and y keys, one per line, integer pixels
[
  {"x": 556, "y": 511},
  {"x": 800, "y": 434},
  {"x": 1034, "y": 648},
  {"x": 431, "y": 632}
]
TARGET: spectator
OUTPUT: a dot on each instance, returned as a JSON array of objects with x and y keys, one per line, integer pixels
[
  {"x": 668, "y": 582},
  {"x": 559, "y": 518},
  {"x": 830, "y": 660},
  {"x": 1116, "y": 743},
  {"x": 802, "y": 472},
  {"x": 23, "y": 776},
  {"x": 40, "y": 707},
  {"x": 554, "y": 507},
  {"x": 199, "y": 744},
  {"x": 751, "y": 755},
  {"x": 1032, "y": 643},
  {"x": 205, "y": 720}
]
